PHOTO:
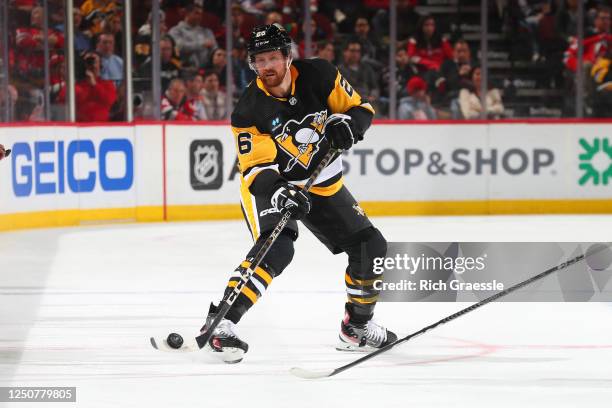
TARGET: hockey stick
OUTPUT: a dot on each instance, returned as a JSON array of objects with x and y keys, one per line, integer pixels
[
  {"x": 202, "y": 339},
  {"x": 227, "y": 304},
  {"x": 310, "y": 374}
]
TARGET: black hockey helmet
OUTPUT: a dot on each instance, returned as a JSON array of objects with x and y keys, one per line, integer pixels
[{"x": 271, "y": 37}]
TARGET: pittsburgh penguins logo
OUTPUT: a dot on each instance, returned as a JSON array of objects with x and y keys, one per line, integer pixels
[{"x": 300, "y": 140}]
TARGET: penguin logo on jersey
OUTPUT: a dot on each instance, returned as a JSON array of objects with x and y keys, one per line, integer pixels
[{"x": 300, "y": 140}]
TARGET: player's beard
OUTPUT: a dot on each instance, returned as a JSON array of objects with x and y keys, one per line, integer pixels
[{"x": 273, "y": 77}]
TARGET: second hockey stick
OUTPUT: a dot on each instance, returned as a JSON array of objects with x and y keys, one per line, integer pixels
[{"x": 310, "y": 374}]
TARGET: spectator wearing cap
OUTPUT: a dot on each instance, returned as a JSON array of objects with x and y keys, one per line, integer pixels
[
  {"x": 428, "y": 49},
  {"x": 175, "y": 104},
  {"x": 469, "y": 99},
  {"x": 94, "y": 95},
  {"x": 416, "y": 106},
  {"x": 194, "y": 42}
]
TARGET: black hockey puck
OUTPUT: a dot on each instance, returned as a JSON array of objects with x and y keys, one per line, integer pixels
[{"x": 175, "y": 340}]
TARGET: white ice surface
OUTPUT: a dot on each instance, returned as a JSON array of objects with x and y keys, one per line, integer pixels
[{"x": 77, "y": 307}]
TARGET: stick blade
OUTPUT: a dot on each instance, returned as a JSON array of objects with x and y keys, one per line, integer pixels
[
  {"x": 309, "y": 374},
  {"x": 189, "y": 346}
]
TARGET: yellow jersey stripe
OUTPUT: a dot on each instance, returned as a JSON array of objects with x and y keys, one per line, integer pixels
[{"x": 247, "y": 204}]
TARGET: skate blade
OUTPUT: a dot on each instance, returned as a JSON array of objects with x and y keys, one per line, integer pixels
[
  {"x": 189, "y": 346},
  {"x": 229, "y": 355},
  {"x": 352, "y": 348}
]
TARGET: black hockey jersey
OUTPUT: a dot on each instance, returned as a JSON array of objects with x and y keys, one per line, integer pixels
[{"x": 283, "y": 136}]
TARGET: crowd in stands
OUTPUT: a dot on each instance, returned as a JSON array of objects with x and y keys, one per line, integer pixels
[{"x": 438, "y": 74}]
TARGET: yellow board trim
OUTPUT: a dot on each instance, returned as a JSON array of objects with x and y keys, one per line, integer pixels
[{"x": 65, "y": 218}]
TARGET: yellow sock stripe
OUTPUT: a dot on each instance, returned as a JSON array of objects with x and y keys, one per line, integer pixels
[
  {"x": 259, "y": 271},
  {"x": 246, "y": 291},
  {"x": 358, "y": 282},
  {"x": 363, "y": 301}
]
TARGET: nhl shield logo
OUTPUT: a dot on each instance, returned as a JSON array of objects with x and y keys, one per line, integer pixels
[{"x": 206, "y": 159}]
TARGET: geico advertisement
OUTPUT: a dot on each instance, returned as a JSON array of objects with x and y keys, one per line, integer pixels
[
  {"x": 454, "y": 162},
  {"x": 62, "y": 168}
]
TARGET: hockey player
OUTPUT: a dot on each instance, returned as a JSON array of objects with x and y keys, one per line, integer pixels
[{"x": 278, "y": 127}]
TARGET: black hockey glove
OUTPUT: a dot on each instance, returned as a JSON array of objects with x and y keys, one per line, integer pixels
[
  {"x": 288, "y": 197},
  {"x": 341, "y": 132}
]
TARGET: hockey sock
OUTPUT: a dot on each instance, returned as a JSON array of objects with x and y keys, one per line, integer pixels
[{"x": 252, "y": 291}]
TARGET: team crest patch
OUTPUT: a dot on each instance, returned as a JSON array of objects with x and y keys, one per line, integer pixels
[
  {"x": 358, "y": 210},
  {"x": 300, "y": 140}
]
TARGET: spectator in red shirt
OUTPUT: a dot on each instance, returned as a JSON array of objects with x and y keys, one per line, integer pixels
[
  {"x": 94, "y": 96},
  {"x": 427, "y": 49},
  {"x": 175, "y": 105},
  {"x": 29, "y": 55},
  {"x": 595, "y": 42}
]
